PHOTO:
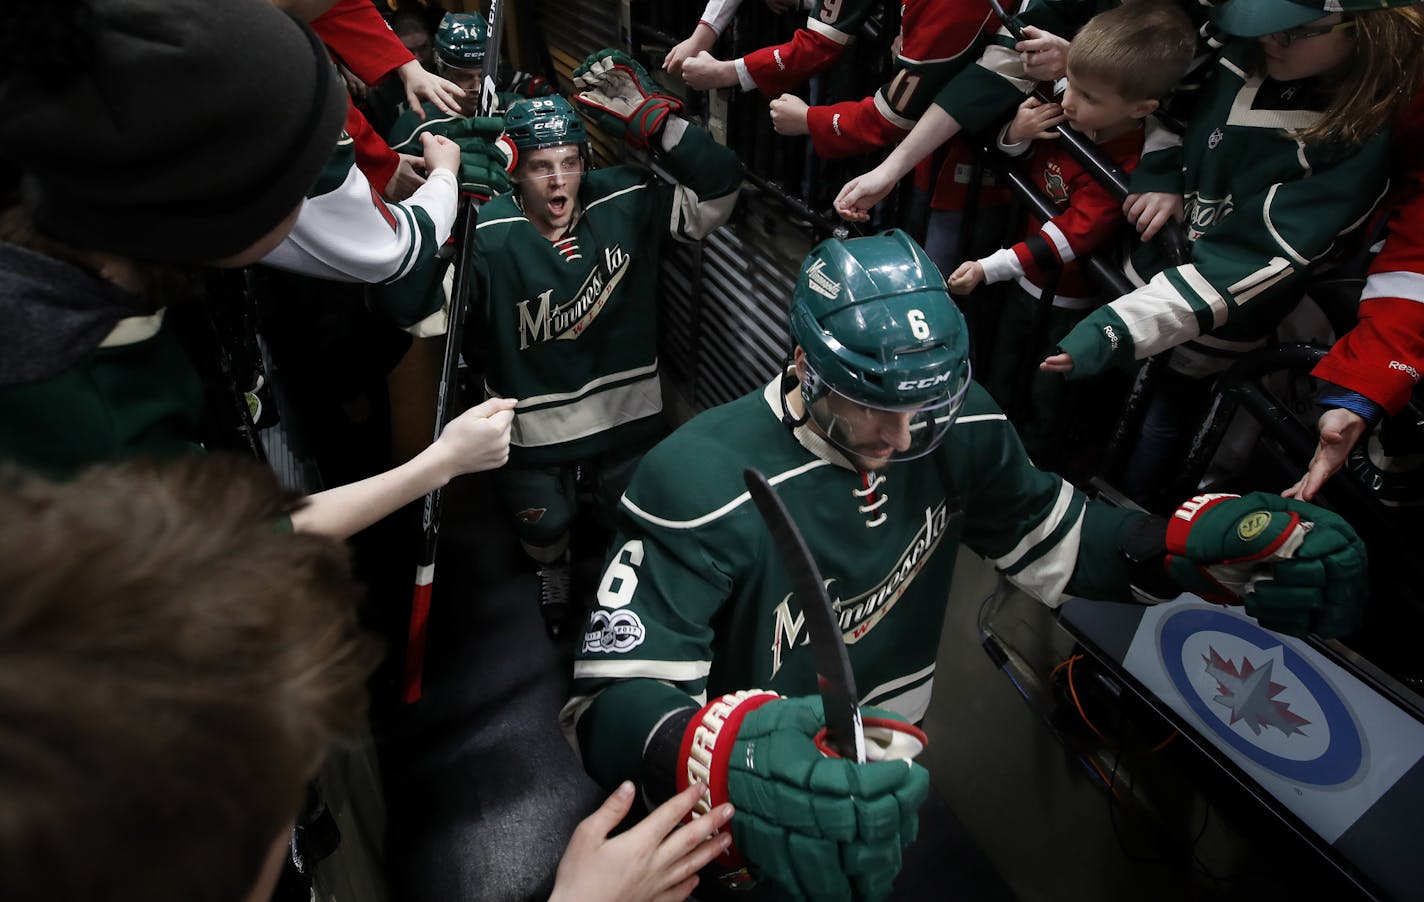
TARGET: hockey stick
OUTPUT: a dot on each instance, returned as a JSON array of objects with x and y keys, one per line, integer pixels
[
  {"x": 834, "y": 677},
  {"x": 444, "y": 399}
]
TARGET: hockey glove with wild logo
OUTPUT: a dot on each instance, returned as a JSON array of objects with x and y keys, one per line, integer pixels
[
  {"x": 820, "y": 827},
  {"x": 1299, "y": 568},
  {"x": 622, "y": 98}
]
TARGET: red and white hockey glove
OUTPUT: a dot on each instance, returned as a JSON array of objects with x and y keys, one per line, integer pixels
[
  {"x": 820, "y": 827},
  {"x": 623, "y": 100},
  {"x": 1299, "y": 568}
]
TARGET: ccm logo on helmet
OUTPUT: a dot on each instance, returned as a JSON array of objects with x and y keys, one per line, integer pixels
[{"x": 925, "y": 383}]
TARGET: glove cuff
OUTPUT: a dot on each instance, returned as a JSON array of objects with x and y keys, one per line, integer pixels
[
  {"x": 707, "y": 747},
  {"x": 1179, "y": 525}
]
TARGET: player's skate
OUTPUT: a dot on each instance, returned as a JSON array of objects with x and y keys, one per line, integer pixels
[{"x": 555, "y": 594}]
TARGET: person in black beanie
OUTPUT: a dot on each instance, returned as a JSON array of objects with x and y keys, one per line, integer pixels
[
  {"x": 138, "y": 137},
  {"x": 194, "y": 150}
]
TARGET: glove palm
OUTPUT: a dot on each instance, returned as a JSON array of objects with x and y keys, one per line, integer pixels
[{"x": 618, "y": 92}]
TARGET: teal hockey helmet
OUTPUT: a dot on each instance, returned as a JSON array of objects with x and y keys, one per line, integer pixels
[
  {"x": 460, "y": 40},
  {"x": 532, "y": 123},
  {"x": 886, "y": 349}
]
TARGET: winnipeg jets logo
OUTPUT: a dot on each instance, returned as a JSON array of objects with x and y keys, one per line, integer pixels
[
  {"x": 541, "y": 320},
  {"x": 822, "y": 284},
  {"x": 1213, "y": 139},
  {"x": 1250, "y": 695}
]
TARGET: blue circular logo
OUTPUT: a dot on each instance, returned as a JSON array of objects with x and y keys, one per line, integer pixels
[{"x": 1323, "y": 749}]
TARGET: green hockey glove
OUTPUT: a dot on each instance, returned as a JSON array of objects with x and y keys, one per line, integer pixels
[
  {"x": 1299, "y": 568},
  {"x": 487, "y": 127},
  {"x": 484, "y": 164},
  {"x": 622, "y": 98},
  {"x": 820, "y": 827}
]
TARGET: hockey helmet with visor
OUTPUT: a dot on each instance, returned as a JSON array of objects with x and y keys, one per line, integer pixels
[
  {"x": 886, "y": 351},
  {"x": 460, "y": 41},
  {"x": 533, "y": 123}
]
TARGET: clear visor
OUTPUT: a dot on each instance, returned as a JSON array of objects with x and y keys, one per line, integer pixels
[
  {"x": 562, "y": 164},
  {"x": 872, "y": 436}
]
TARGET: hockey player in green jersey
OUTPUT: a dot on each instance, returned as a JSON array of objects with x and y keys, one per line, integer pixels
[
  {"x": 566, "y": 267},
  {"x": 889, "y": 457},
  {"x": 460, "y": 57}
]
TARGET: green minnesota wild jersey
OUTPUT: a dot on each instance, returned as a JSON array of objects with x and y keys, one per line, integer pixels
[
  {"x": 695, "y": 601},
  {"x": 1260, "y": 207},
  {"x": 571, "y": 325}
]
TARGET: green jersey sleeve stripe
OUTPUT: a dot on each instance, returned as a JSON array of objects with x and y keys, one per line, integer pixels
[
  {"x": 1016, "y": 556},
  {"x": 1206, "y": 305},
  {"x": 413, "y": 245},
  {"x": 494, "y": 222},
  {"x": 1047, "y": 577},
  {"x": 608, "y": 197},
  {"x": 526, "y": 404},
  {"x": 1271, "y": 227},
  {"x": 724, "y": 509},
  {"x": 677, "y": 671},
  {"x": 885, "y": 689}
]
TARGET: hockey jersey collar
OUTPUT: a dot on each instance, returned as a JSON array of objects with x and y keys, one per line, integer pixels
[{"x": 804, "y": 434}]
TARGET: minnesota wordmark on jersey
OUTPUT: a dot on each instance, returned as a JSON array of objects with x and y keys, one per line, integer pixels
[{"x": 542, "y": 320}]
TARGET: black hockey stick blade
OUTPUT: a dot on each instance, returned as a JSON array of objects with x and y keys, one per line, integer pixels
[{"x": 834, "y": 677}]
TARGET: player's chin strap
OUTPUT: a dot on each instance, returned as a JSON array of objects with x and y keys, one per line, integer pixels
[{"x": 789, "y": 383}]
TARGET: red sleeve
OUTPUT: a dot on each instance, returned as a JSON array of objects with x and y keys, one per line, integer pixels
[
  {"x": 1091, "y": 217},
  {"x": 374, "y": 157},
  {"x": 355, "y": 31},
  {"x": 778, "y": 69},
  {"x": 935, "y": 35},
  {"x": 1382, "y": 357},
  {"x": 852, "y": 127}
]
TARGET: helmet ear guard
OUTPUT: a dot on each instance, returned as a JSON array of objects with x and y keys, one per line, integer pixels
[{"x": 790, "y": 381}]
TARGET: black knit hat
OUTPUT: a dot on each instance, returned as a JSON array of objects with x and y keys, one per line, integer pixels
[{"x": 172, "y": 130}]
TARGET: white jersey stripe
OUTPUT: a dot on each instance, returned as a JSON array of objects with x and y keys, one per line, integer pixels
[
  {"x": 493, "y": 222},
  {"x": 1047, "y": 577},
  {"x": 627, "y": 668},
  {"x": 872, "y": 697},
  {"x": 1043, "y": 530},
  {"x": 594, "y": 413},
  {"x": 638, "y": 187},
  {"x": 587, "y": 388},
  {"x": 1406, "y": 285},
  {"x": 724, "y": 509},
  {"x": 826, "y": 31}
]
